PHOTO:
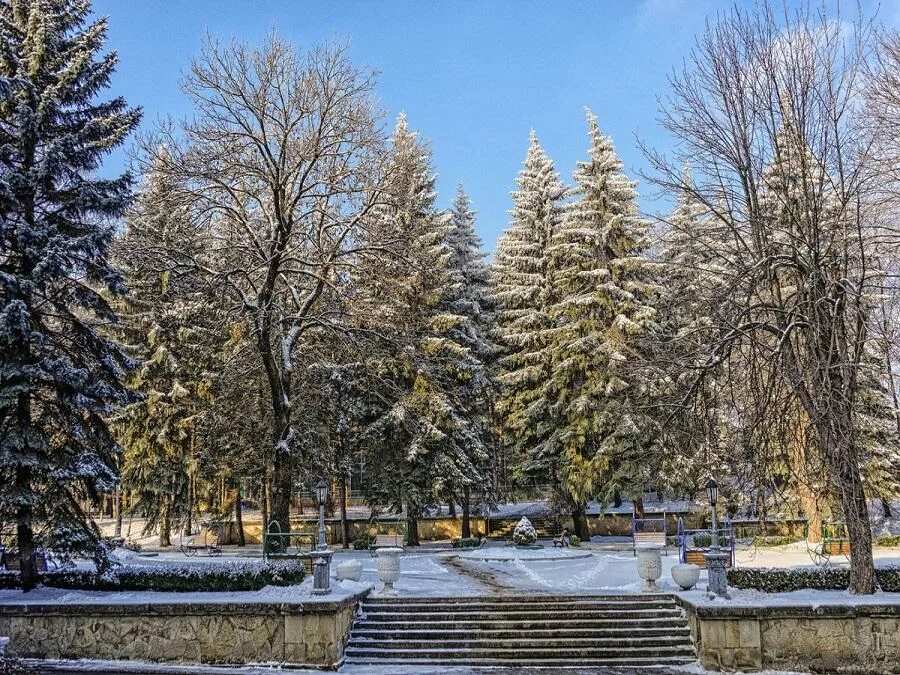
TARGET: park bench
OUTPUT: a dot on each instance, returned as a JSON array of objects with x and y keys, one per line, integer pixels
[
  {"x": 387, "y": 534},
  {"x": 562, "y": 540},
  {"x": 9, "y": 560},
  {"x": 834, "y": 541},
  {"x": 649, "y": 531},
  {"x": 693, "y": 544},
  {"x": 208, "y": 540},
  {"x": 278, "y": 545}
]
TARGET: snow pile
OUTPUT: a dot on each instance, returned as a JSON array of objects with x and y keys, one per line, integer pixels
[{"x": 524, "y": 534}]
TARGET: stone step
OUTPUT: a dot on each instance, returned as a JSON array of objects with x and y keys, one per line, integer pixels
[
  {"x": 576, "y": 656},
  {"x": 479, "y": 606},
  {"x": 525, "y": 614},
  {"x": 567, "y": 662},
  {"x": 486, "y": 623},
  {"x": 679, "y": 630},
  {"x": 519, "y": 600},
  {"x": 492, "y": 644}
]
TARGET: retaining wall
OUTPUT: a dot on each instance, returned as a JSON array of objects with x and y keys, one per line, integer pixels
[
  {"x": 306, "y": 634},
  {"x": 862, "y": 638}
]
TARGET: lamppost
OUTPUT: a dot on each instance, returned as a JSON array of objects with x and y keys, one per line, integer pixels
[
  {"x": 715, "y": 558},
  {"x": 321, "y": 498},
  {"x": 321, "y": 557}
]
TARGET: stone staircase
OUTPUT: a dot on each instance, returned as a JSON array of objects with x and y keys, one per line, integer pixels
[{"x": 607, "y": 630}]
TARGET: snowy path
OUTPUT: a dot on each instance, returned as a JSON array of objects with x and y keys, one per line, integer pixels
[{"x": 124, "y": 668}]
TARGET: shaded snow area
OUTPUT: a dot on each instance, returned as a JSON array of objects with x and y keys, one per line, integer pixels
[
  {"x": 165, "y": 669},
  {"x": 269, "y": 594}
]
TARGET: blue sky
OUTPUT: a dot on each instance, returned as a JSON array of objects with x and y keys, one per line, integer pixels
[{"x": 473, "y": 77}]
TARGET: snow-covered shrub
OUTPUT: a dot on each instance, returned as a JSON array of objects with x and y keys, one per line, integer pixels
[
  {"x": 772, "y": 580},
  {"x": 574, "y": 540},
  {"x": 224, "y": 576},
  {"x": 524, "y": 534}
]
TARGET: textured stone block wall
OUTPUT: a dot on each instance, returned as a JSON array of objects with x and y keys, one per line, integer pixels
[
  {"x": 846, "y": 639},
  {"x": 314, "y": 634}
]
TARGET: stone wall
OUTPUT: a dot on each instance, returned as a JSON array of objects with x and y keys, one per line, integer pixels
[
  {"x": 837, "y": 638},
  {"x": 311, "y": 634}
]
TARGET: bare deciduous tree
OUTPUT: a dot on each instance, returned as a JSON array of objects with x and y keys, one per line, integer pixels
[
  {"x": 281, "y": 166},
  {"x": 768, "y": 112}
]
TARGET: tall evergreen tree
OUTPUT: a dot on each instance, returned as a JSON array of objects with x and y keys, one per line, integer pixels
[
  {"x": 422, "y": 440},
  {"x": 469, "y": 298},
  {"x": 523, "y": 287},
  {"x": 601, "y": 382},
  {"x": 167, "y": 319},
  {"x": 60, "y": 375}
]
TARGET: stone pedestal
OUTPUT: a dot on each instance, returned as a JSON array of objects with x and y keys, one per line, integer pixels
[
  {"x": 321, "y": 572},
  {"x": 649, "y": 565},
  {"x": 716, "y": 562},
  {"x": 388, "y": 568}
]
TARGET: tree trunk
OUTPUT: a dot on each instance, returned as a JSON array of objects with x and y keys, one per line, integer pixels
[
  {"x": 345, "y": 526},
  {"x": 117, "y": 504},
  {"x": 165, "y": 523},
  {"x": 617, "y": 498},
  {"x": 638, "y": 507},
  {"x": 451, "y": 508},
  {"x": 843, "y": 462},
  {"x": 24, "y": 530},
  {"x": 886, "y": 508},
  {"x": 412, "y": 526},
  {"x": 264, "y": 503},
  {"x": 189, "y": 516},
  {"x": 238, "y": 515},
  {"x": 580, "y": 524},
  {"x": 466, "y": 508}
]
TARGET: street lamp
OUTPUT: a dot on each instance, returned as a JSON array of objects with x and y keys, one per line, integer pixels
[
  {"x": 321, "y": 497},
  {"x": 712, "y": 493},
  {"x": 715, "y": 558},
  {"x": 321, "y": 557}
]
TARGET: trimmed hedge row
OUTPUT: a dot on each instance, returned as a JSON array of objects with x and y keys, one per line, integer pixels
[
  {"x": 772, "y": 580},
  {"x": 182, "y": 579}
]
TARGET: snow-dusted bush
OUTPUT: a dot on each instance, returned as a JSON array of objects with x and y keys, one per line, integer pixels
[
  {"x": 524, "y": 534},
  {"x": 773, "y": 580},
  {"x": 224, "y": 576}
]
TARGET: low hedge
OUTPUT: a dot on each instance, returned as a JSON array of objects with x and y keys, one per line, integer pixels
[
  {"x": 195, "y": 578},
  {"x": 887, "y": 540},
  {"x": 772, "y": 580},
  {"x": 468, "y": 542},
  {"x": 767, "y": 540}
]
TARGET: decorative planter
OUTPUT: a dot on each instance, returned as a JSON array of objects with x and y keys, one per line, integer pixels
[
  {"x": 351, "y": 570},
  {"x": 649, "y": 565},
  {"x": 388, "y": 568},
  {"x": 686, "y": 575}
]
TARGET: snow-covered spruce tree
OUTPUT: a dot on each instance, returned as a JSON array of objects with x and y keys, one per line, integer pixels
[
  {"x": 470, "y": 298},
  {"x": 60, "y": 375},
  {"x": 168, "y": 321},
  {"x": 692, "y": 287},
  {"x": 424, "y": 437},
  {"x": 522, "y": 286},
  {"x": 602, "y": 433}
]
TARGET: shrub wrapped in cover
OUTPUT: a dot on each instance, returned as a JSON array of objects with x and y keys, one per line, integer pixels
[
  {"x": 773, "y": 580},
  {"x": 524, "y": 534},
  {"x": 223, "y": 576}
]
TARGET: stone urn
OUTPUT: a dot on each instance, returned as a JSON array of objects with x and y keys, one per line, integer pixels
[
  {"x": 649, "y": 565},
  {"x": 350, "y": 570},
  {"x": 388, "y": 568},
  {"x": 686, "y": 575}
]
